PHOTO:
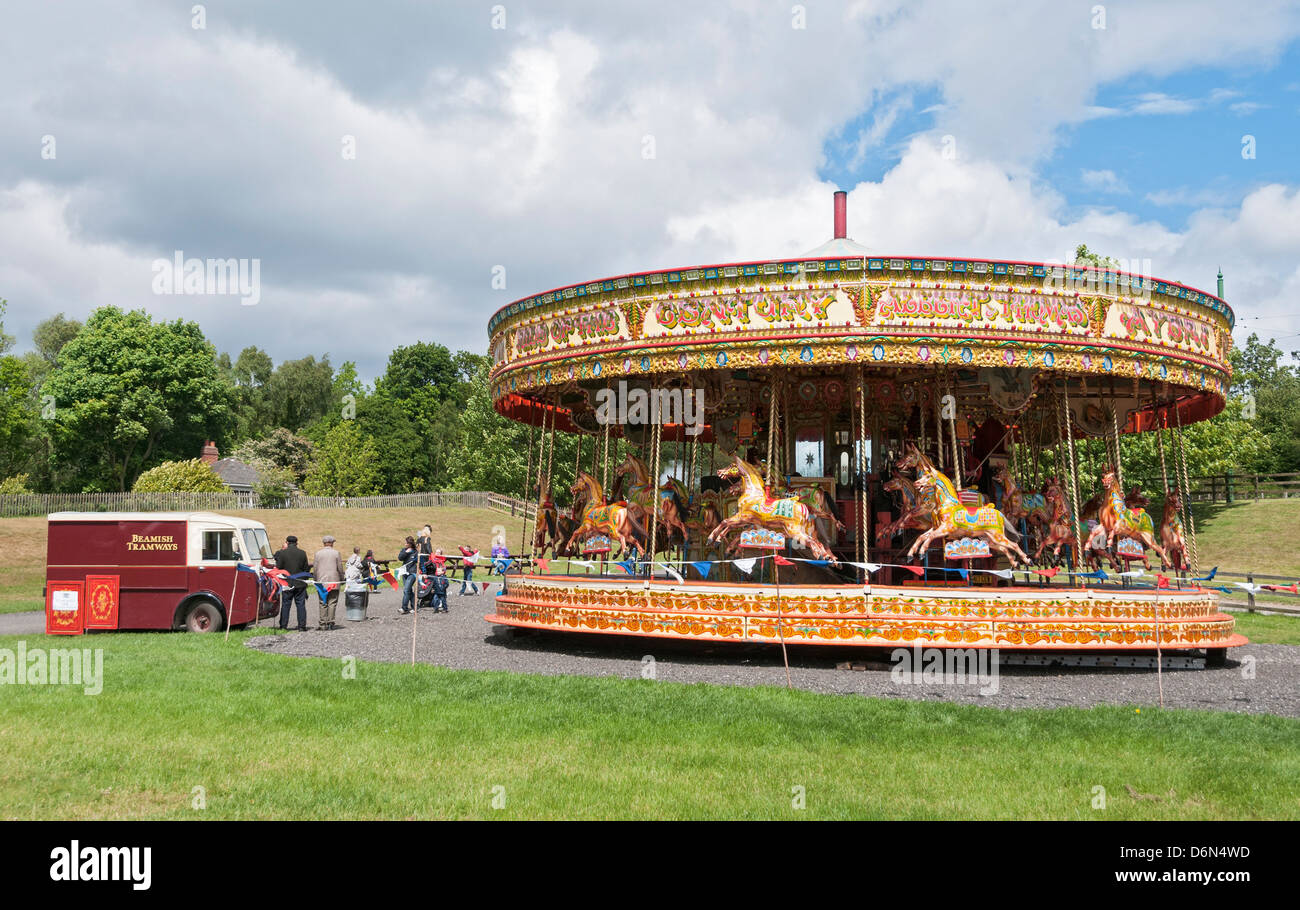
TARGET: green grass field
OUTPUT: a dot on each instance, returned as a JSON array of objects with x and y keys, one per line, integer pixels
[{"x": 267, "y": 736}]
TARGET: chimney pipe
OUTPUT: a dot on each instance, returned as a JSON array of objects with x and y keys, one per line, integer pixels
[{"x": 841, "y": 214}]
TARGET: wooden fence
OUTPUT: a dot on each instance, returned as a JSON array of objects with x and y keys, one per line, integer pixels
[
  {"x": 1227, "y": 487},
  {"x": 14, "y": 506}
]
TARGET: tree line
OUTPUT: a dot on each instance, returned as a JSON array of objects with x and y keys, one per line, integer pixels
[{"x": 125, "y": 402}]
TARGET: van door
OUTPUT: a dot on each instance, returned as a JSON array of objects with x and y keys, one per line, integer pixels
[{"x": 215, "y": 572}]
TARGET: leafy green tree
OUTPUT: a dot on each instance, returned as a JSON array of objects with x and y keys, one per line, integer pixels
[
  {"x": 280, "y": 448},
  {"x": 129, "y": 392},
  {"x": 15, "y": 485},
  {"x": 51, "y": 335},
  {"x": 274, "y": 486},
  {"x": 300, "y": 393},
  {"x": 17, "y": 415},
  {"x": 192, "y": 476},
  {"x": 347, "y": 464},
  {"x": 423, "y": 367}
]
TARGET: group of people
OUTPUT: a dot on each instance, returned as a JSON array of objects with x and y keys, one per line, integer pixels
[{"x": 422, "y": 568}]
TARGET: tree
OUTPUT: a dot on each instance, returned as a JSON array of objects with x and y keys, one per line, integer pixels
[
  {"x": 420, "y": 367},
  {"x": 1085, "y": 256},
  {"x": 492, "y": 451},
  {"x": 192, "y": 476},
  {"x": 300, "y": 393},
  {"x": 129, "y": 392},
  {"x": 281, "y": 449},
  {"x": 51, "y": 335},
  {"x": 17, "y": 415},
  {"x": 14, "y": 486},
  {"x": 346, "y": 464}
]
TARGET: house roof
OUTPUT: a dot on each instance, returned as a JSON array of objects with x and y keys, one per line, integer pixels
[{"x": 236, "y": 473}]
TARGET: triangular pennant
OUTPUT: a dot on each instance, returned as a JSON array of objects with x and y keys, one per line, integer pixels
[
  {"x": 671, "y": 571},
  {"x": 544, "y": 565},
  {"x": 703, "y": 568},
  {"x": 915, "y": 570},
  {"x": 745, "y": 565},
  {"x": 628, "y": 566},
  {"x": 1162, "y": 581},
  {"x": 781, "y": 560}
]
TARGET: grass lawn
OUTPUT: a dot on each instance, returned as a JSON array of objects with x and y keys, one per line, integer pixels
[
  {"x": 1274, "y": 629},
  {"x": 267, "y": 736},
  {"x": 22, "y": 540}
]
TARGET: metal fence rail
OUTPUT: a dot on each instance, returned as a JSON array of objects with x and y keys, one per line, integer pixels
[{"x": 22, "y": 505}]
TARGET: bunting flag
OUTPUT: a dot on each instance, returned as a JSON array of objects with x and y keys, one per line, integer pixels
[
  {"x": 1162, "y": 581},
  {"x": 745, "y": 565},
  {"x": 323, "y": 588},
  {"x": 781, "y": 560},
  {"x": 389, "y": 577},
  {"x": 964, "y": 573},
  {"x": 1132, "y": 573},
  {"x": 915, "y": 570},
  {"x": 703, "y": 568},
  {"x": 629, "y": 566},
  {"x": 1294, "y": 588},
  {"x": 1209, "y": 577},
  {"x": 582, "y": 562},
  {"x": 1000, "y": 573},
  {"x": 671, "y": 571},
  {"x": 1248, "y": 586},
  {"x": 870, "y": 567},
  {"x": 1047, "y": 573},
  {"x": 1223, "y": 588},
  {"x": 543, "y": 564},
  {"x": 1099, "y": 575}
]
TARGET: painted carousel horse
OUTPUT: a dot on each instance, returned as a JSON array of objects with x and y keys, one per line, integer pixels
[
  {"x": 1095, "y": 551},
  {"x": 1019, "y": 506},
  {"x": 1060, "y": 529},
  {"x": 817, "y": 500},
  {"x": 707, "y": 517},
  {"x": 553, "y": 528},
  {"x": 612, "y": 519},
  {"x": 1125, "y": 523},
  {"x": 956, "y": 521},
  {"x": 758, "y": 508},
  {"x": 916, "y": 512},
  {"x": 642, "y": 495},
  {"x": 1171, "y": 533}
]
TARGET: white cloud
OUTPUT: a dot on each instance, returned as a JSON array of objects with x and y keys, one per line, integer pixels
[{"x": 1103, "y": 181}]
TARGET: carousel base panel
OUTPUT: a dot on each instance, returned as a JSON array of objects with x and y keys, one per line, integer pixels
[{"x": 1033, "y": 618}]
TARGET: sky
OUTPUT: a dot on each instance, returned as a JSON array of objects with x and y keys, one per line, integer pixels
[{"x": 390, "y": 165}]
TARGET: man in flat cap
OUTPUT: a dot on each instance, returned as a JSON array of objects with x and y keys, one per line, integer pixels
[
  {"x": 327, "y": 568},
  {"x": 294, "y": 561}
]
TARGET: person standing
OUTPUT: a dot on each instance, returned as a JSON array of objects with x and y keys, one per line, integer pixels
[
  {"x": 408, "y": 556},
  {"x": 440, "y": 590},
  {"x": 328, "y": 570},
  {"x": 469, "y": 556},
  {"x": 294, "y": 561}
]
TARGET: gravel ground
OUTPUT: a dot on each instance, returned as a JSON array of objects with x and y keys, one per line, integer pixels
[{"x": 461, "y": 639}]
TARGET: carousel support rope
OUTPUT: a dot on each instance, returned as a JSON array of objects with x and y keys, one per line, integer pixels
[
  {"x": 528, "y": 487},
  {"x": 1074, "y": 473},
  {"x": 1187, "y": 492},
  {"x": 860, "y": 465},
  {"x": 654, "y": 495}
]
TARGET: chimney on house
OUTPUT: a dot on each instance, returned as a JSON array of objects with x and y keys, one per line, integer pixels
[
  {"x": 209, "y": 453},
  {"x": 841, "y": 214}
]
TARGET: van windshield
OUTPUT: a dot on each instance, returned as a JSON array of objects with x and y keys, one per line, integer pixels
[{"x": 256, "y": 543}]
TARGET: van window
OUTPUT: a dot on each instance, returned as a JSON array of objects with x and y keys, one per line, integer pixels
[
  {"x": 219, "y": 546},
  {"x": 256, "y": 543}
]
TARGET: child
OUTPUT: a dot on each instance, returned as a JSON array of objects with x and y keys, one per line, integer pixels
[
  {"x": 440, "y": 590},
  {"x": 469, "y": 557}
]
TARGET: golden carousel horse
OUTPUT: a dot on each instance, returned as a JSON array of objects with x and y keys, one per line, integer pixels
[
  {"x": 1121, "y": 521},
  {"x": 642, "y": 495},
  {"x": 759, "y": 508},
  {"x": 612, "y": 519},
  {"x": 957, "y": 521}
]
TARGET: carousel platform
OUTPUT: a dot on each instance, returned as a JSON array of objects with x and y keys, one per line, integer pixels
[{"x": 1031, "y": 618}]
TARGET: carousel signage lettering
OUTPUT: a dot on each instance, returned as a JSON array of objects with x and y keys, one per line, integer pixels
[
  {"x": 1012, "y": 311},
  {"x": 559, "y": 332},
  {"x": 1144, "y": 323},
  {"x": 770, "y": 310}
]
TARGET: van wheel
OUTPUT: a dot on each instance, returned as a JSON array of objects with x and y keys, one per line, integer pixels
[{"x": 203, "y": 617}]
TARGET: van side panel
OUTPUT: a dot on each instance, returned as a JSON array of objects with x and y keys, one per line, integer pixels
[{"x": 149, "y": 556}]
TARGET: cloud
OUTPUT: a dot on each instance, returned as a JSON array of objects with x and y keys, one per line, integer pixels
[
  {"x": 585, "y": 139},
  {"x": 1103, "y": 181}
]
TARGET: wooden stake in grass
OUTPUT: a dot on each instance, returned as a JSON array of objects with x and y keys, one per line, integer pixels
[
  {"x": 230, "y": 604},
  {"x": 780, "y": 629}
]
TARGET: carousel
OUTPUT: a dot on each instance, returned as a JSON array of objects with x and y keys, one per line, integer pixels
[{"x": 854, "y": 449}]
